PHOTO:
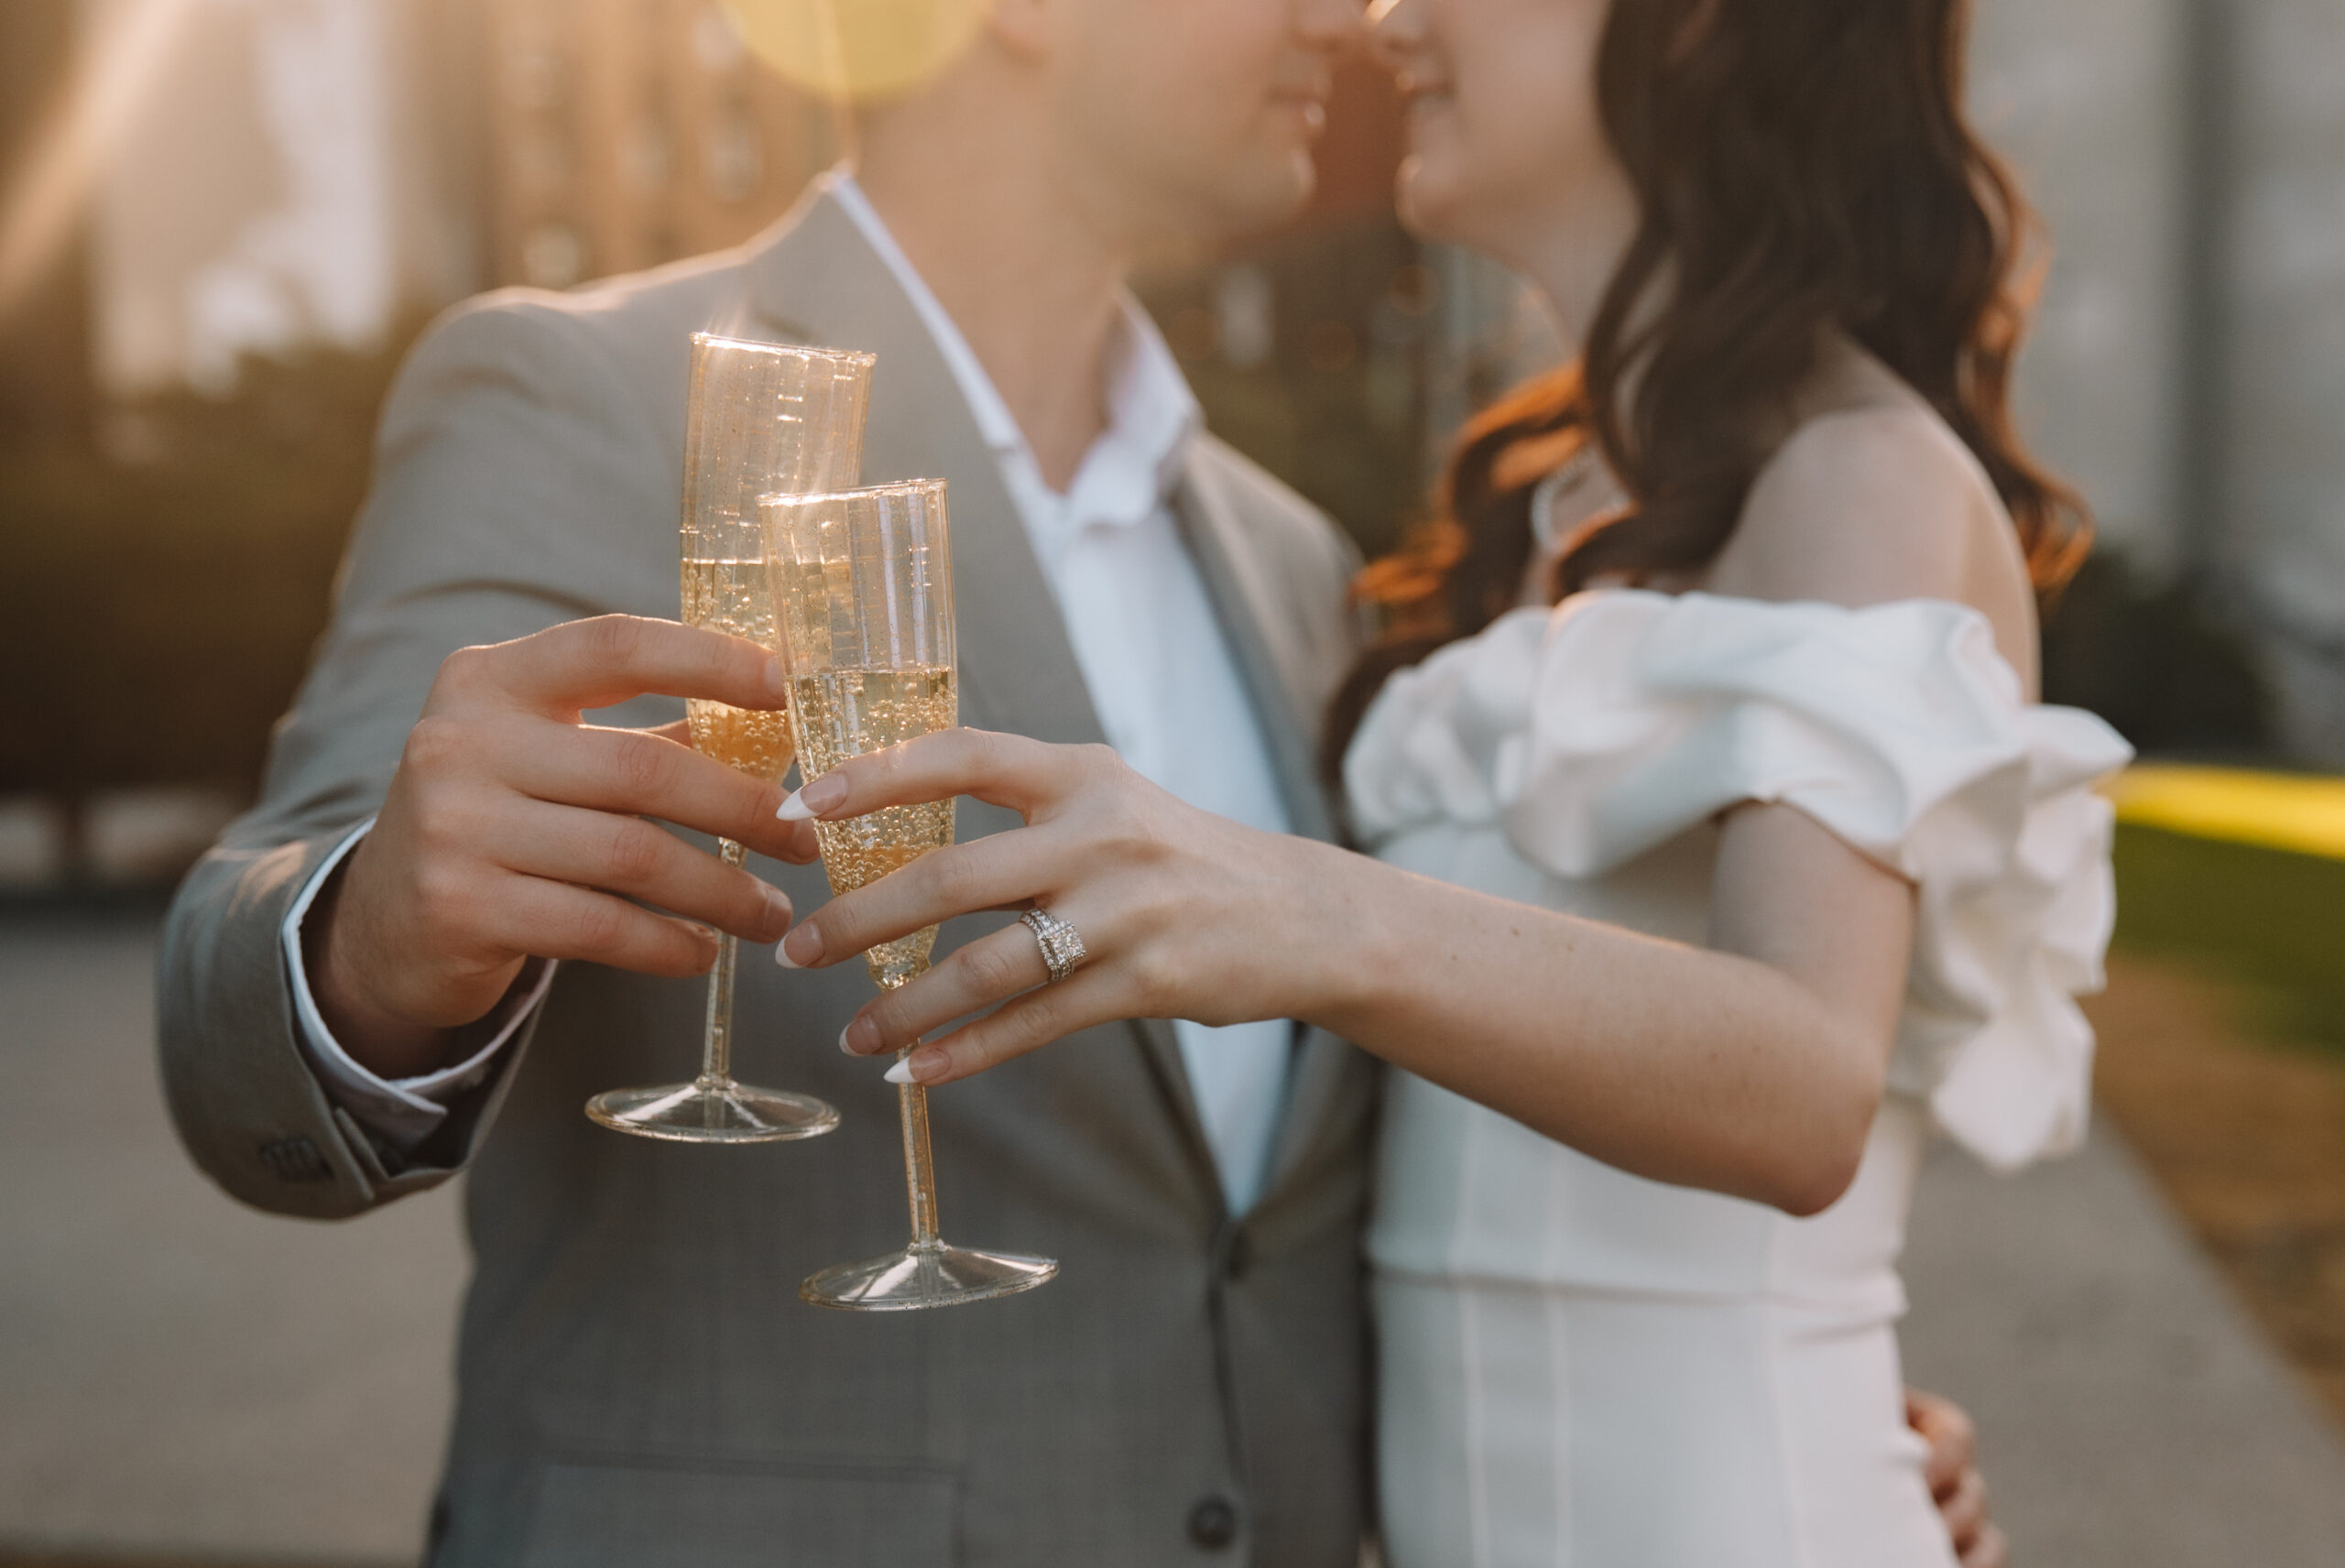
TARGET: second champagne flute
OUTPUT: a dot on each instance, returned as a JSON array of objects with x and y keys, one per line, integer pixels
[
  {"x": 863, "y": 590},
  {"x": 761, "y": 416}
]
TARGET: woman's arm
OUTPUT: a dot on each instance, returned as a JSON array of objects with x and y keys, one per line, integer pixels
[
  {"x": 1752, "y": 1065},
  {"x": 1752, "y": 1070}
]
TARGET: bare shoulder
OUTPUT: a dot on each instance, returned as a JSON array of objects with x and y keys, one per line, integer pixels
[
  {"x": 1878, "y": 502},
  {"x": 1857, "y": 506}
]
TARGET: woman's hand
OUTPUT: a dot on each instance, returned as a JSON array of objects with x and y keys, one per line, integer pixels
[
  {"x": 1755, "y": 1071},
  {"x": 1956, "y": 1485},
  {"x": 1174, "y": 905}
]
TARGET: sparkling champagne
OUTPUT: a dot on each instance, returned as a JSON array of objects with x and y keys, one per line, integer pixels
[
  {"x": 736, "y": 596},
  {"x": 846, "y": 713}
]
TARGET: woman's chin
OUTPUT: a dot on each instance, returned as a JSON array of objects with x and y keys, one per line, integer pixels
[{"x": 1429, "y": 202}]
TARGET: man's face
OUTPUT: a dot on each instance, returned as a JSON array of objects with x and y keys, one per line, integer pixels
[{"x": 1193, "y": 119}]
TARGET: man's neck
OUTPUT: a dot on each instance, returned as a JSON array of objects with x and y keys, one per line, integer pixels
[{"x": 1033, "y": 285}]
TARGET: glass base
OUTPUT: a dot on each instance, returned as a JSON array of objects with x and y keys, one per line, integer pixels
[
  {"x": 713, "y": 1113},
  {"x": 931, "y": 1275}
]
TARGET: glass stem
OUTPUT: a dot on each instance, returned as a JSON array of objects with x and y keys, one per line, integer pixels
[
  {"x": 919, "y": 1173},
  {"x": 716, "y": 1049}
]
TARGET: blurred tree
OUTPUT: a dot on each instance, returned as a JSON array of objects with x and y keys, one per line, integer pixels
[
  {"x": 2149, "y": 659},
  {"x": 163, "y": 574}
]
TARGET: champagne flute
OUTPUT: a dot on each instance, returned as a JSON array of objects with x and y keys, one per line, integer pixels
[
  {"x": 761, "y": 416},
  {"x": 863, "y": 590}
]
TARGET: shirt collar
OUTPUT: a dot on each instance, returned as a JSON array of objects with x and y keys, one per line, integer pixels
[{"x": 1151, "y": 413}]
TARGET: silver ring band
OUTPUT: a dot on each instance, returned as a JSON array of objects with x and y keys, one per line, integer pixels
[{"x": 1061, "y": 944}]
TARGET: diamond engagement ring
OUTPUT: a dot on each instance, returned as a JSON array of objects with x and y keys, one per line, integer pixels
[{"x": 1061, "y": 944}]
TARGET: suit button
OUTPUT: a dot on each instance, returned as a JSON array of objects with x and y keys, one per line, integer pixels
[{"x": 1213, "y": 1523}]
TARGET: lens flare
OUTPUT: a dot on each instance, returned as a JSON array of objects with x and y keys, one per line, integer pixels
[{"x": 857, "y": 51}]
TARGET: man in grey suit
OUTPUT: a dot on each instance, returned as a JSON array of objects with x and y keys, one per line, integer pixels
[
  {"x": 639, "y": 1381},
  {"x": 357, "y": 985}
]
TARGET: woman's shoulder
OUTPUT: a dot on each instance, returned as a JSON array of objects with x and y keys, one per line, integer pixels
[
  {"x": 1873, "y": 498},
  {"x": 1629, "y": 716}
]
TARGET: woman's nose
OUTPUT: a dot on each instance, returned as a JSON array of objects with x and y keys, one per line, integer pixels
[{"x": 1395, "y": 28}]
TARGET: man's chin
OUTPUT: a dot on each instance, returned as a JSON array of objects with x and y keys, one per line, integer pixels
[
  {"x": 1276, "y": 193},
  {"x": 1427, "y": 206},
  {"x": 1238, "y": 199}
]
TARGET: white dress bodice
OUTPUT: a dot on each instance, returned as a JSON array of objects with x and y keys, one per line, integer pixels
[{"x": 1578, "y": 759}]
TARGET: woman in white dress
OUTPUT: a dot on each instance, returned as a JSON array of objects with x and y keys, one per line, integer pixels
[{"x": 1697, "y": 898}]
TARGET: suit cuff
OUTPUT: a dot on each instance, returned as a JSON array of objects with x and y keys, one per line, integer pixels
[{"x": 400, "y": 1112}]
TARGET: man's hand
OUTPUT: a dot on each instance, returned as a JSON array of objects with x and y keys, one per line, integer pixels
[
  {"x": 1952, "y": 1471},
  {"x": 513, "y": 829}
]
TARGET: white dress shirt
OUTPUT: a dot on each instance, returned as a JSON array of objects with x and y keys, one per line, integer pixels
[{"x": 1159, "y": 673}]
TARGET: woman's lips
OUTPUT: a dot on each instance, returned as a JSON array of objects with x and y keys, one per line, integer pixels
[{"x": 1417, "y": 90}]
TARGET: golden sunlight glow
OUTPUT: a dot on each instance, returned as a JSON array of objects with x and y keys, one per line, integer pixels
[
  {"x": 2277, "y": 811},
  {"x": 133, "y": 44},
  {"x": 857, "y": 51}
]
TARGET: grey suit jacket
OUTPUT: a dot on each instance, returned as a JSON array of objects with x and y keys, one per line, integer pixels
[{"x": 640, "y": 1383}]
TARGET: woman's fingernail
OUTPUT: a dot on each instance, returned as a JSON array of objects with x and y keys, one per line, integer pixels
[
  {"x": 778, "y": 677},
  {"x": 806, "y": 804},
  {"x": 861, "y": 1036},
  {"x": 919, "y": 1067},
  {"x": 843, "y": 1044},
  {"x": 809, "y": 948}
]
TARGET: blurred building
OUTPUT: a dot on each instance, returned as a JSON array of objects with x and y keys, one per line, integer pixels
[
  {"x": 2188, "y": 363},
  {"x": 319, "y": 171},
  {"x": 277, "y": 173},
  {"x": 628, "y": 133},
  {"x": 2272, "y": 323}
]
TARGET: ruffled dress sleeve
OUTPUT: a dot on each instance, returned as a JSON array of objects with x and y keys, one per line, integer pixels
[{"x": 1594, "y": 733}]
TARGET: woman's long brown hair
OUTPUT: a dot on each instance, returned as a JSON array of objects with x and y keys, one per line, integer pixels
[{"x": 1802, "y": 166}]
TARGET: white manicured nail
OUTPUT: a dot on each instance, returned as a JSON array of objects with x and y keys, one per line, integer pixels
[
  {"x": 901, "y": 1072},
  {"x": 843, "y": 1044},
  {"x": 793, "y": 810},
  {"x": 780, "y": 957}
]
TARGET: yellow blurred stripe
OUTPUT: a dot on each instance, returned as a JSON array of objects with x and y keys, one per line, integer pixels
[{"x": 2277, "y": 811}]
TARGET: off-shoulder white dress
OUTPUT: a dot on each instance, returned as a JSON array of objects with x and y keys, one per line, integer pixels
[{"x": 1582, "y": 1368}]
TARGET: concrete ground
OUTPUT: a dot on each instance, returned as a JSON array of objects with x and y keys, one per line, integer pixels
[
  {"x": 2130, "y": 1414},
  {"x": 181, "y": 1379}
]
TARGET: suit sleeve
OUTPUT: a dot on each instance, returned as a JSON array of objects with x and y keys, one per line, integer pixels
[{"x": 512, "y": 464}]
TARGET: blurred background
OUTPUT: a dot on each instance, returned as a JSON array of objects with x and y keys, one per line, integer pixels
[{"x": 221, "y": 222}]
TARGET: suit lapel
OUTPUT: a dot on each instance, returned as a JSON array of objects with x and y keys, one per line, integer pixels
[
  {"x": 819, "y": 282},
  {"x": 1246, "y": 604},
  {"x": 1278, "y": 678}
]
